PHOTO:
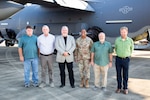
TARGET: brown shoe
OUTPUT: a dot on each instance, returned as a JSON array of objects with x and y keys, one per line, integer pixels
[
  {"x": 118, "y": 90},
  {"x": 87, "y": 83},
  {"x": 82, "y": 83},
  {"x": 125, "y": 91}
]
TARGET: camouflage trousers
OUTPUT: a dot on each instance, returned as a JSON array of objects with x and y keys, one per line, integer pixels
[{"x": 84, "y": 69}]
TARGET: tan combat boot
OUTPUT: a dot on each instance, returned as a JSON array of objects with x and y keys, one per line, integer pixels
[
  {"x": 82, "y": 82},
  {"x": 87, "y": 83}
]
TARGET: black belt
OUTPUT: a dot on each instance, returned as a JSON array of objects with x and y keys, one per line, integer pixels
[
  {"x": 46, "y": 54},
  {"x": 122, "y": 57}
]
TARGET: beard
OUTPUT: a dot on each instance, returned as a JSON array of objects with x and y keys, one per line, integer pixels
[{"x": 102, "y": 40}]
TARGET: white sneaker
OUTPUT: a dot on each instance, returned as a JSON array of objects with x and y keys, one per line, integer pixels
[
  {"x": 42, "y": 85},
  {"x": 27, "y": 85},
  {"x": 51, "y": 84}
]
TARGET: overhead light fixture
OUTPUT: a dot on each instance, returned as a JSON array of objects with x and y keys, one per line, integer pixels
[{"x": 118, "y": 21}]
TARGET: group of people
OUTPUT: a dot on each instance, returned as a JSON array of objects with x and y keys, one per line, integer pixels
[{"x": 83, "y": 51}]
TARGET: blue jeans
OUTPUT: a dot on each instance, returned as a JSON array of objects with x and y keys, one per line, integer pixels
[
  {"x": 122, "y": 68},
  {"x": 31, "y": 63}
]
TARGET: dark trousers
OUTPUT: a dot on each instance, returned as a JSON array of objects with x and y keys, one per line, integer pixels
[
  {"x": 70, "y": 71},
  {"x": 122, "y": 68}
]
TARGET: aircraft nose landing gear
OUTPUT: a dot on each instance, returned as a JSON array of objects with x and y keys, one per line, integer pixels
[{"x": 10, "y": 38}]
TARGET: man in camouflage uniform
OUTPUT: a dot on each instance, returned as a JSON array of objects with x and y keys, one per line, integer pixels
[{"x": 82, "y": 57}]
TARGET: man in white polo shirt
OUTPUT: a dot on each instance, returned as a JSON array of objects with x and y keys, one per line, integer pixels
[{"x": 46, "y": 47}]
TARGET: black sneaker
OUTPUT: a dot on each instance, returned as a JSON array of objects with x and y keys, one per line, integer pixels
[
  {"x": 73, "y": 86},
  {"x": 103, "y": 89},
  {"x": 61, "y": 86},
  {"x": 95, "y": 88}
]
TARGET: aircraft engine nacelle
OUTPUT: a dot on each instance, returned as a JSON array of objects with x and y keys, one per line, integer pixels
[{"x": 93, "y": 33}]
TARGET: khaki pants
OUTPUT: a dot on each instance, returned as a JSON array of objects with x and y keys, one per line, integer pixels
[
  {"x": 46, "y": 62},
  {"x": 100, "y": 70}
]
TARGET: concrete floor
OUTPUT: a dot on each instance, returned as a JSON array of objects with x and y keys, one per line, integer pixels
[{"x": 12, "y": 81}]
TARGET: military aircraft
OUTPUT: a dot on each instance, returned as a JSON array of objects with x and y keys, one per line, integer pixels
[{"x": 93, "y": 15}]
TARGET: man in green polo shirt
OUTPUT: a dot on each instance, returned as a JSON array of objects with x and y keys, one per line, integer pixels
[
  {"x": 101, "y": 60},
  {"x": 123, "y": 47}
]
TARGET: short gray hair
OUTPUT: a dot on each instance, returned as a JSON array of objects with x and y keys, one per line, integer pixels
[
  {"x": 64, "y": 27},
  {"x": 124, "y": 27},
  {"x": 46, "y": 26},
  {"x": 101, "y": 33}
]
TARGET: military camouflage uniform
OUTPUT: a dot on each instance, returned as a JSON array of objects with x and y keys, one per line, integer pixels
[{"x": 82, "y": 56}]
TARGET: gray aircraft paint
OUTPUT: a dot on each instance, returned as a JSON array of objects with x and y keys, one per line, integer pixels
[{"x": 109, "y": 15}]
